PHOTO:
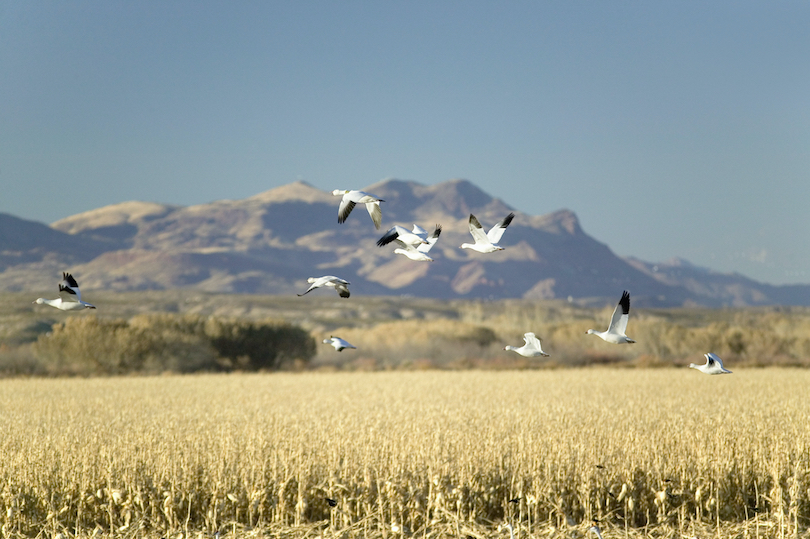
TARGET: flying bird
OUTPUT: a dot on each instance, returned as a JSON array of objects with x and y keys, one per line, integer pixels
[
  {"x": 339, "y": 343},
  {"x": 532, "y": 347},
  {"x": 713, "y": 365},
  {"x": 487, "y": 243},
  {"x": 414, "y": 244},
  {"x": 70, "y": 298},
  {"x": 618, "y": 323},
  {"x": 337, "y": 283},
  {"x": 352, "y": 198}
]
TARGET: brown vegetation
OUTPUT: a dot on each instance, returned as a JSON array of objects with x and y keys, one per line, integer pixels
[
  {"x": 408, "y": 454},
  {"x": 163, "y": 342},
  {"x": 398, "y": 332}
]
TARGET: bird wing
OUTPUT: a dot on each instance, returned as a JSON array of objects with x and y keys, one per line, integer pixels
[
  {"x": 621, "y": 314},
  {"x": 342, "y": 289},
  {"x": 346, "y": 207},
  {"x": 69, "y": 288},
  {"x": 345, "y": 344},
  {"x": 375, "y": 212},
  {"x": 407, "y": 246},
  {"x": 531, "y": 340},
  {"x": 711, "y": 359},
  {"x": 419, "y": 231},
  {"x": 389, "y": 236},
  {"x": 319, "y": 282},
  {"x": 431, "y": 240},
  {"x": 477, "y": 231},
  {"x": 496, "y": 232},
  {"x": 310, "y": 289}
]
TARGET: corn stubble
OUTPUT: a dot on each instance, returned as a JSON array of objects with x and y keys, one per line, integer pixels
[{"x": 422, "y": 454}]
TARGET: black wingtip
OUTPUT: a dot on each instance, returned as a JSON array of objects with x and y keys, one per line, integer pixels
[
  {"x": 508, "y": 219},
  {"x": 625, "y": 302},
  {"x": 67, "y": 289},
  {"x": 67, "y": 277},
  {"x": 387, "y": 238},
  {"x": 438, "y": 231}
]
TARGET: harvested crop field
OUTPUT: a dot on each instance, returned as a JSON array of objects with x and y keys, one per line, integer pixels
[{"x": 664, "y": 452}]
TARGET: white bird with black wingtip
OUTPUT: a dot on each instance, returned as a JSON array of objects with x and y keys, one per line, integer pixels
[
  {"x": 351, "y": 198},
  {"x": 713, "y": 365},
  {"x": 531, "y": 348},
  {"x": 615, "y": 332},
  {"x": 70, "y": 298},
  {"x": 487, "y": 242},
  {"x": 340, "y": 285},
  {"x": 414, "y": 244},
  {"x": 339, "y": 343}
]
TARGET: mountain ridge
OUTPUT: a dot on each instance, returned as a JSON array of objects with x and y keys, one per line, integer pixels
[{"x": 272, "y": 241}]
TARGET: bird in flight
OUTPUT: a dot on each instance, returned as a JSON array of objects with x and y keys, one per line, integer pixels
[
  {"x": 487, "y": 242},
  {"x": 414, "y": 244},
  {"x": 618, "y": 323},
  {"x": 337, "y": 283},
  {"x": 532, "y": 347},
  {"x": 713, "y": 365},
  {"x": 339, "y": 343},
  {"x": 351, "y": 198},
  {"x": 70, "y": 298}
]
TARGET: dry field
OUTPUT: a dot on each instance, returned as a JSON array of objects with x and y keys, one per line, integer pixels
[{"x": 665, "y": 453}]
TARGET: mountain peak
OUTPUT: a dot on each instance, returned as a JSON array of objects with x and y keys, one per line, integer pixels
[
  {"x": 457, "y": 198},
  {"x": 113, "y": 215},
  {"x": 297, "y": 190},
  {"x": 558, "y": 222}
]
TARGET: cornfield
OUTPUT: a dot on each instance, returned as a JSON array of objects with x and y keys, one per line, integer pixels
[{"x": 666, "y": 452}]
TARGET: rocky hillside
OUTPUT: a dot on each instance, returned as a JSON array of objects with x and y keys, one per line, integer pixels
[{"x": 271, "y": 242}]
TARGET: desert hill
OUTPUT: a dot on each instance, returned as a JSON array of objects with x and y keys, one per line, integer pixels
[{"x": 271, "y": 242}]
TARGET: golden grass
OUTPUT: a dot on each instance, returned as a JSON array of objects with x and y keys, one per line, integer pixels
[{"x": 424, "y": 453}]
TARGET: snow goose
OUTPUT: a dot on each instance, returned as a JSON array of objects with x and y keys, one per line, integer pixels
[
  {"x": 339, "y": 343},
  {"x": 713, "y": 365},
  {"x": 70, "y": 298},
  {"x": 352, "y": 198},
  {"x": 618, "y": 323},
  {"x": 414, "y": 244},
  {"x": 532, "y": 347},
  {"x": 329, "y": 280},
  {"x": 487, "y": 243}
]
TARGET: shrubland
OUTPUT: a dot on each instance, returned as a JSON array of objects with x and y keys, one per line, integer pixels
[
  {"x": 154, "y": 343},
  {"x": 390, "y": 333}
]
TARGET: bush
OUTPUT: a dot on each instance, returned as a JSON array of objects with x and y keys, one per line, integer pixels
[{"x": 164, "y": 342}]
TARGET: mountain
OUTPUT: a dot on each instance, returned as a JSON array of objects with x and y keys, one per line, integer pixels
[{"x": 271, "y": 242}]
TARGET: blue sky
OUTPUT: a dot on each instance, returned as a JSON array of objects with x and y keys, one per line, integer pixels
[{"x": 670, "y": 128}]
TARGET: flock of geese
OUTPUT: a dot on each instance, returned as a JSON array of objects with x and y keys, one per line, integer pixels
[{"x": 415, "y": 244}]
